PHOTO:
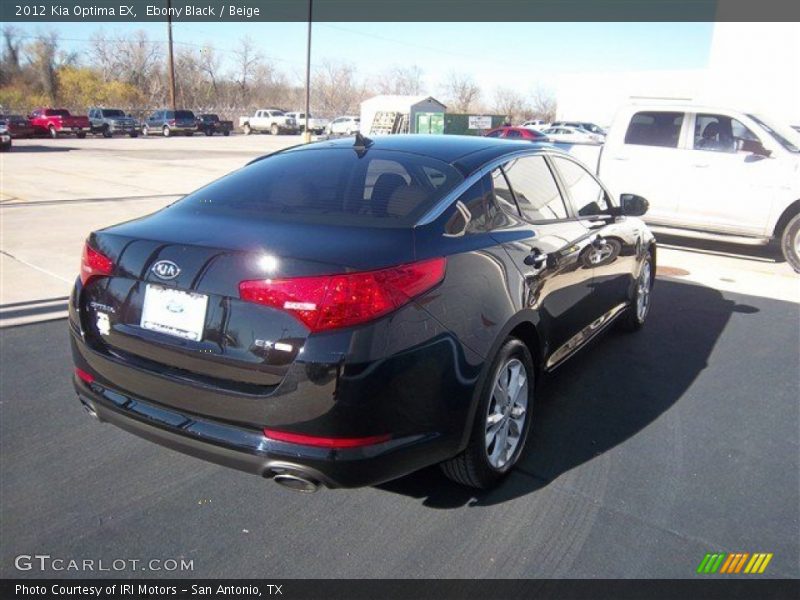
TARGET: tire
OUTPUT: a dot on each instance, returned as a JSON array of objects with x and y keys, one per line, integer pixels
[
  {"x": 165, "y": 131},
  {"x": 106, "y": 132},
  {"x": 53, "y": 132},
  {"x": 145, "y": 130},
  {"x": 790, "y": 242},
  {"x": 81, "y": 136},
  {"x": 482, "y": 465},
  {"x": 226, "y": 133},
  {"x": 189, "y": 133},
  {"x": 133, "y": 134},
  {"x": 5, "y": 148},
  {"x": 208, "y": 132},
  {"x": 640, "y": 300},
  {"x": 274, "y": 130}
]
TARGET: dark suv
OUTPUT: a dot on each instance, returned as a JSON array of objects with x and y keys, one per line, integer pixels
[
  {"x": 344, "y": 314},
  {"x": 170, "y": 122},
  {"x": 109, "y": 121}
]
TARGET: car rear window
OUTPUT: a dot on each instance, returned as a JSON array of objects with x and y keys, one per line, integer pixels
[
  {"x": 56, "y": 113},
  {"x": 113, "y": 113},
  {"x": 378, "y": 188}
]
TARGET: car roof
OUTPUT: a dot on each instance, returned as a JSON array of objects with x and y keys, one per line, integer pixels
[{"x": 467, "y": 153}]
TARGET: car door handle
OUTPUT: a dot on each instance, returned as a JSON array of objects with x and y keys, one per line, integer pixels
[{"x": 536, "y": 259}]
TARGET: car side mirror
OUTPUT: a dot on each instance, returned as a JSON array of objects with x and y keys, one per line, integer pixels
[{"x": 631, "y": 205}]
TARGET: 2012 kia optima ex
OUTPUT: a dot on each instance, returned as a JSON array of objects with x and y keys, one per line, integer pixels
[{"x": 343, "y": 313}]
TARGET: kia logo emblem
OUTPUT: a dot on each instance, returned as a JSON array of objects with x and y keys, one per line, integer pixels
[{"x": 166, "y": 269}]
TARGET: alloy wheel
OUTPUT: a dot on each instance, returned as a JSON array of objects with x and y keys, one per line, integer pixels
[
  {"x": 643, "y": 291},
  {"x": 505, "y": 415}
]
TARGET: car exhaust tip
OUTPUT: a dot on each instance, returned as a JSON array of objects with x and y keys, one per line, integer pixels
[
  {"x": 89, "y": 410},
  {"x": 297, "y": 482}
]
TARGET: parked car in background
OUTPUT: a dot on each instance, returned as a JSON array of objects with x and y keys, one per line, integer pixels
[
  {"x": 241, "y": 323},
  {"x": 314, "y": 125},
  {"x": 271, "y": 120},
  {"x": 536, "y": 124},
  {"x": 18, "y": 126},
  {"x": 56, "y": 122},
  {"x": 110, "y": 121},
  {"x": 709, "y": 172},
  {"x": 572, "y": 135},
  {"x": 585, "y": 125},
  {"x": 346, "y": 125},
  {"x": 170, "y": 122},
  {"x": 518, "y": 133},
  {"x": 5, "y": 136},
  {"x": 210, "y": 124}
]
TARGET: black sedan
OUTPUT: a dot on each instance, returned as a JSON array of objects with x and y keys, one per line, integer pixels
[
  {"x": 342, "y": 314},
  {"x": 18, "y": 126}
]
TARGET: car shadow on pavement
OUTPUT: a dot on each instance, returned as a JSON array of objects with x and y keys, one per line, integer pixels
[
  {"x": 33, "y": 149},
  {"x": 603, "y": 396}
]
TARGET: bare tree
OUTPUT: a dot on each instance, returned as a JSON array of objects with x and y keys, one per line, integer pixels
[
  {"x": 12, "y": 46},
  {"x": 512, "y": 104},
  {"x": 335, "y": 89},
  {"x": 544, "y": 104},
  {"x": 246, "y": 58},
  {"x": 461, "y": 92},
  {"x": 44, "y": 61},
  {"x": 400, "y": 80}
]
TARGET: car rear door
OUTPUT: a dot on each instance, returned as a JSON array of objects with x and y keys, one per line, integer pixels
[
  {"x": 547, "y": 247},
  {"x": 644, "y": 160}
]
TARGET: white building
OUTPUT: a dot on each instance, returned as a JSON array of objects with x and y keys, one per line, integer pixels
[
  {"x": 418, "y": 110},
  {"x": 751, "y": 66}
]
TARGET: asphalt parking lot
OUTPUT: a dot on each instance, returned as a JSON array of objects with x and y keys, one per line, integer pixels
[{"x": 648, "y": 450}]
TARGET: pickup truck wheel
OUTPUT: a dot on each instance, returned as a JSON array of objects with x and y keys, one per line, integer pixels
[
  {"x": 106, "y": 132},
  {"x": 209, "y": 132},
  {"x": 790, "y": 242},
  {"x": 274, "y": 130},
  {"x": 189, "y": 133},
  {"x": 53, "y": 132},
  {"x": 246, "y": 128},
  {"x": 226, "y": 133},
  {"x": 165, "y": 131},
  {"x": 82, "y": 135},
  {"x": 133, "y": 134},
  {"x": 502, "y": 420}
]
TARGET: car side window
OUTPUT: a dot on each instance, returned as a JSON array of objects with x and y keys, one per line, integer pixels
[
  {"x": 502, "y": 192},
  {"x": 586, "y": 195},
  {"x": 494, "y": 134},
  {"x": 535, "y": 189},
  {"x": 653, "y": 128},
  {"x": 720, "y": 133},
  {"x": 513, "y": 133},
  {"x": 475, "y": 210}
]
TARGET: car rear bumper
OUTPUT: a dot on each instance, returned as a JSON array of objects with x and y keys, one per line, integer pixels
[{"x": 251, "y": 451}]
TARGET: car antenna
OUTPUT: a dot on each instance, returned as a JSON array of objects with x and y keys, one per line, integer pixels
[{"x": 361, "y": 144}]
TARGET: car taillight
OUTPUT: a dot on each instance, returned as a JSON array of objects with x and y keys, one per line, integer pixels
[
  {"x": 334, "y": 301},
  {"x": 94, "y": 264}
]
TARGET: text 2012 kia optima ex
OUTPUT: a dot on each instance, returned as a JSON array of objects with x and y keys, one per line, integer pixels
[{"x": 343, "y": 313}]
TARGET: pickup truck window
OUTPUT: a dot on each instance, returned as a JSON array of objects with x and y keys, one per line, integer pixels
[
  {"x": 720, "y": 133},
  {"x": 654, "y": 128}
]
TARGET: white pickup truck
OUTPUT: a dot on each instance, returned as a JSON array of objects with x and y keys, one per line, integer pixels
[
  {"x": 268, "y": 119},
  {"x": 315, "y": 125},
  {"x": 707, "y": 172}
]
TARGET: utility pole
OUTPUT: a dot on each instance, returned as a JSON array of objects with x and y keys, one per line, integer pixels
[
  {"x": 306, "y": 132},
  {"x": 171, "y": 59}
]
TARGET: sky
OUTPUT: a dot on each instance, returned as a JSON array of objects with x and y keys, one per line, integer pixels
[{"x": 517, "y": 55}]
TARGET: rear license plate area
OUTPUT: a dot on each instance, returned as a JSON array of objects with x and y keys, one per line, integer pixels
[{"x": 174, "y": 312}]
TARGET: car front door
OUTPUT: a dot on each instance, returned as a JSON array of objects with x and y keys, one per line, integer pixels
[
  {"x": 729, "y": 182},
  {"x": 614, "y": 244},
  {"x": 547, "y": 246}
]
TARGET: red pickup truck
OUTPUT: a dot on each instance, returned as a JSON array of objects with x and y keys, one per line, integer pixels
[{"x": 57, "y": 121}]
